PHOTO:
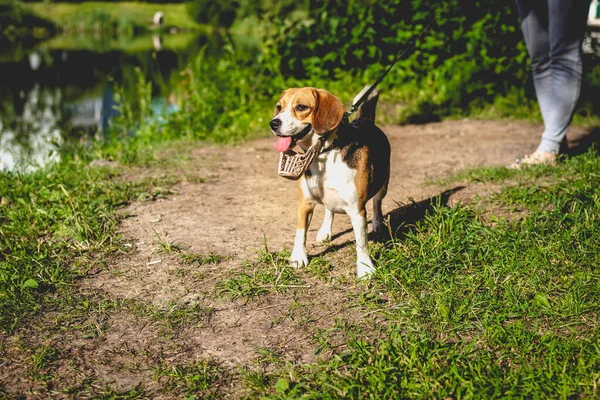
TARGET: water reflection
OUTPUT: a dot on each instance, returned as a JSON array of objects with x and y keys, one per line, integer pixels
[
  {"x": 62, "y": 89},
  {"x": 32, "y": 138}
]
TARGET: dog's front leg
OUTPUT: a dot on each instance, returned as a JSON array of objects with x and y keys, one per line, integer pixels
[
  {"x": 364, "y": 265},
  {"x": 299, "y": 256}
]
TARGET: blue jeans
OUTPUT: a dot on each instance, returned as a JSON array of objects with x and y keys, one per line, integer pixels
[{"x": 553, "y": 32}]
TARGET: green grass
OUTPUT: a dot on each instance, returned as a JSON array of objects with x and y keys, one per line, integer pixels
[
  {"x": 166, "y": 245},
  {"x": 480, "y": 308},
  {"x": 125, "y": 44},
  {"x": 71, "y": 15},
  {"x": 199, "y": 379},
  {"x": 467, "y": 303},
  {"x": 201, "y": 259},
  {"x": 41, "y": 360},
  {"x": 269, "y": 274},
  {"x": 55, "y": 225},
  {"x": 177, "y": 317}
]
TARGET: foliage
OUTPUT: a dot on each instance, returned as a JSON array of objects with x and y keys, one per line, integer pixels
[
  {"x": 16, "y": 22},
  {"x": 272, "y": 9},
  {"x": 131, "y": 115},
  {"x": 223, "y": 100},
  {"x": 100, "y": 21},
  {"x": 589, "y": 103},
  {"x": 225, "y": 96},
  {"x": 463, "y": 60},
  {"x": 215, "y": 13},
  {"x": 463, "y": 64}
]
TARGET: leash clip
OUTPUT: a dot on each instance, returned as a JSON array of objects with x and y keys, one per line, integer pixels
[{"x": 346, "y": 116}]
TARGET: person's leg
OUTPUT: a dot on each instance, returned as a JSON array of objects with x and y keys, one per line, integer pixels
[
  {"x": 566, "y": 25},
  {"x": 534, "y": 24}
]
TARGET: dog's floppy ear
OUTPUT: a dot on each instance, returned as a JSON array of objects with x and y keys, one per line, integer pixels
[{"x": 328, "y": 112}]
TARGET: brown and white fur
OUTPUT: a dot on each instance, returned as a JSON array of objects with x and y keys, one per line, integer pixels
[{"x": 344, "y": 178}]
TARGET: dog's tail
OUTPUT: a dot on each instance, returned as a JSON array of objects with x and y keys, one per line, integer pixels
[{"x": 366, "y": 111}]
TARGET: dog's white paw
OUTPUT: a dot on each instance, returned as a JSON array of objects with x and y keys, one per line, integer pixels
[
  {"x": 298, "y": 259},
  {"x": 323, "y": 236},
  {"x": 364, "y": 268}
]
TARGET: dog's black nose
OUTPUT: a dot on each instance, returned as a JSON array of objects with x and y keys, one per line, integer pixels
[{"x": 275, "y": 123}]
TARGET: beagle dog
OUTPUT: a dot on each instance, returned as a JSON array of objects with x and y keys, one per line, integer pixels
[{"x": 352, "y": 167}]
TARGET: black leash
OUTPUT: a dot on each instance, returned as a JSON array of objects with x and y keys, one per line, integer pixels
[{"x": 411, "y": 44}]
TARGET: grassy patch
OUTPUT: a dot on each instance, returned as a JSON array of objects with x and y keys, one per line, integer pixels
[
  {"x": 199, "y": 379},
  {"x": 55, "y": 225},
  {"x": 509, "y": 309},
  {"x": 41, "y": 360},
  {"x": 460, "y": 307},
  {"x": 203, "y": 259},
  {"x": 173, "y": 318},
  {"x": 320, "y": 268},
  {"x": 166, "y": 245},
  {"x": 74, "y": 16},
  {"x": 177, "y": 317},
  {"x": 271, "y": 273},
  {"x": 256, "y": 381}
]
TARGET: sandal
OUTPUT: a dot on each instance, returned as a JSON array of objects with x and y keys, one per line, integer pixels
[{"x": 536, "y": 158}]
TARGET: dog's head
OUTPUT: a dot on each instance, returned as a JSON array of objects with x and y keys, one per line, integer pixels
[{"x": 301, "y": 114}]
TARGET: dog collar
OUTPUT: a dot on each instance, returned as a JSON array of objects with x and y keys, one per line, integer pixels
[{"x": 332, "y": 146}]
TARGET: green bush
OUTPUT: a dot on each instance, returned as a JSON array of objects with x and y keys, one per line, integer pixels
[
  {"x": 222, "y": 100},
  {"x": 216, "y": 13},
  {"x": 469, "y": 58},
  {"x": 271, "y": 9},
  {"x": 465, "y": 56},
  {"x": 16, "y": 21},
  {"x": 228, "y": 99}
]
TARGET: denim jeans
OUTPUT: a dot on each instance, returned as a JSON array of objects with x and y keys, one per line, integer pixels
[{"x": 553, "y": 32}]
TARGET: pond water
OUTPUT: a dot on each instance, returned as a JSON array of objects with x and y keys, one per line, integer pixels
[{"x": 63, "y": 89}]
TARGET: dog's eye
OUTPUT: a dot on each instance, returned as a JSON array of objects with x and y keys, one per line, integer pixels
[
  {"x": 278, "y": 107},
  {"x": 301, "y": 107}
]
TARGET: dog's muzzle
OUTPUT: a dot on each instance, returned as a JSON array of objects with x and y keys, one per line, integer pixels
[{"x": 293, "y": 165}]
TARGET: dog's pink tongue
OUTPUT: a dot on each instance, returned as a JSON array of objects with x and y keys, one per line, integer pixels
[{"x": 283, "y": 144}]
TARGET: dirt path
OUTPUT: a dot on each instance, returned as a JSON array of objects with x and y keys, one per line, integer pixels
[
  {"x": 243, "y": 202},
  {"x": 240, "y": 204}
]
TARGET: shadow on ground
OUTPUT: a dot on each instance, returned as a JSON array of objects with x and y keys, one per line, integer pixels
[
  {"x": 400, "y": 220},
  {"x": 582, "y": 144}
]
